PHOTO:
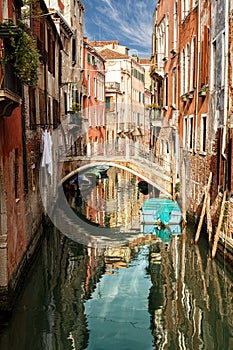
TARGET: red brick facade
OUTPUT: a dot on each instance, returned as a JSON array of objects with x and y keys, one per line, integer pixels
[{"x": 94, "y": 98}]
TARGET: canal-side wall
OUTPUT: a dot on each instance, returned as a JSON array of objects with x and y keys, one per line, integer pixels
[{"x": 8, "y": 295}]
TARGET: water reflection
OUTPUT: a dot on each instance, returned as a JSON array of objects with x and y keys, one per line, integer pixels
[
  {"x": 149, "y": 293},
  {"x": 111, "y": 198},
  {"x": 146, "y": 295}
]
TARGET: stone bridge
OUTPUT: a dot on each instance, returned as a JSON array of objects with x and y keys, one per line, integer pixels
[{"x": 134, "y": 158}]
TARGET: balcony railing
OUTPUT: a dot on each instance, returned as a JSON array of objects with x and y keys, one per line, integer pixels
[{"x": 112, "y": 86}]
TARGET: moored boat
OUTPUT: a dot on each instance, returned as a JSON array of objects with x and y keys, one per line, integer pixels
[{"x": 161, "y": 211}]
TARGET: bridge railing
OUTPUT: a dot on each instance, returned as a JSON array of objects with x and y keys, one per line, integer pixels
[{"x": 121, "y": 148}]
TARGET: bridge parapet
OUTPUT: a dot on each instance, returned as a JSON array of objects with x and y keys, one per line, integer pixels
[{"x": 133, "y": 156}]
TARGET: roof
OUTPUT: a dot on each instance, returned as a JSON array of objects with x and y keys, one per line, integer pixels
[
  {"x": 103, "y": 43},
  {"x": 110, "y": 54},
  {"x": 144, "y": 60},
  {"x": 64, "y": 24},
  {"x": 93, "y": 50}
]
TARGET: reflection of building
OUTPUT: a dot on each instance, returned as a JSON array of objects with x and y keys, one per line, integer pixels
[
  {"x": 94, "y": 269},
  {"x": 113, "y": 201},
  {"x": 116, "y": 258},
  {"x": 187, "y": 296}
]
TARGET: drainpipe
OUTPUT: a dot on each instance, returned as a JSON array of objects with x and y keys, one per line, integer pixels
[{"x": 198, "y": 68}]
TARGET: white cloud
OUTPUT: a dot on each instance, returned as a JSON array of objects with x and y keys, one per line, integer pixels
[{"x": 128, "y": 21}]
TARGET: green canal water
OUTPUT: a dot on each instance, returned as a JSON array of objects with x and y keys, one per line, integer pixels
[{"x": 138, "y": 295}]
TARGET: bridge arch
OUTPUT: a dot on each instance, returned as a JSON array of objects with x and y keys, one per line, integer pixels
[{"x": 117, "y": 165}]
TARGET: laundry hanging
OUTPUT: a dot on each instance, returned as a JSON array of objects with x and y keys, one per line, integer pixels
[{"x": 46, "y": 147}]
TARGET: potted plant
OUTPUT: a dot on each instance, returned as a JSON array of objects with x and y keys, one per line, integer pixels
[
  {"x": 76, "y": 107},
  {"x": 203, "y": 90},
  {"x": 156, "y": 107},
  {"x": 184, "y": 98}
]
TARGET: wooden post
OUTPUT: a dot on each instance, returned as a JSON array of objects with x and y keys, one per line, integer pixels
[
  {"x": 203, "y": 209},
  {"x": 209, "y": 221},
  {"x": 216, "y": 237}
]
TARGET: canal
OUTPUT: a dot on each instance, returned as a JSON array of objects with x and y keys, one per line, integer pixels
[{"x": 133, "y": 292}]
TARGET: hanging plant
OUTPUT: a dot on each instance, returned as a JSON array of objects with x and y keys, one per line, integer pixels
[
  {"x": 23, "y": 54},
  {"x": 154, "y": 106},
  {"x": 76, "y": 107}
]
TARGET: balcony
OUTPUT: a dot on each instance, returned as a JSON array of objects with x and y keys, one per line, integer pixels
[
  {"x": 156, "y": 117},
  {"x": 112, "y": 86},
  {"x": 8, "y": 102},
  {"x": 10, "y": 91}
]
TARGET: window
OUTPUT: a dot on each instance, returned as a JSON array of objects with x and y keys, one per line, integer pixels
[
  {"x": 80, "y": 16},
  {"x": 193, "y": 64},
  {"x": 49, "y": 111},
  {"x": 55, "y": 114},
  {"x": 175, "y": 35},
  {"x": 65, "y": 102},
  {"x": 42, "y": 110},
  {"x": 203, "y": 134},
  {"x": 204, "y": 57},
  {"x": 161, "y": 44},
  {"x": 185, "y": 8},
  {"x": 74, "y": 50},
  {"x": 191, "y": 132},
  {"x": 94, "y": 60},
  {"x": 174, "y": 86},
  {"x": 95, "y": 88},
  {"x": 213, "y": 66},
  {"x": 108, "y": 102},
  {"x": 183, "y": 73},
  {"x": 32, "y": 107},
  {"x": 187, "y": 67},
  {"x": 166, "y": 90},
  {"x": 185, "y": 131},
  {"x": 88, "y": 58},
  {"x": 88, "y": 86},
  {"x": 167, "y": 35},
  {"x": 51, "y": 53}
]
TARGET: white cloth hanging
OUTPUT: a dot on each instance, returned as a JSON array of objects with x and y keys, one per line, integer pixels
[{"x": 47, "y": 159}]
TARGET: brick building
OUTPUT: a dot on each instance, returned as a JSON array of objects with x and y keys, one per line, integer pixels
[
  {"x": 94, "y": 97},
  {"x": 164, "y": 74},
  {"x": 29, "y": 103},
  {"x": 203, "y": 45}
]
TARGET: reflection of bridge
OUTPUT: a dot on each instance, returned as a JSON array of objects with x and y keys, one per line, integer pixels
[{"x": 124, "y": 154}]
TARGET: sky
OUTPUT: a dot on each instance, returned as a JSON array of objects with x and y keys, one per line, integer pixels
[{"x": 128, "y": 21}]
